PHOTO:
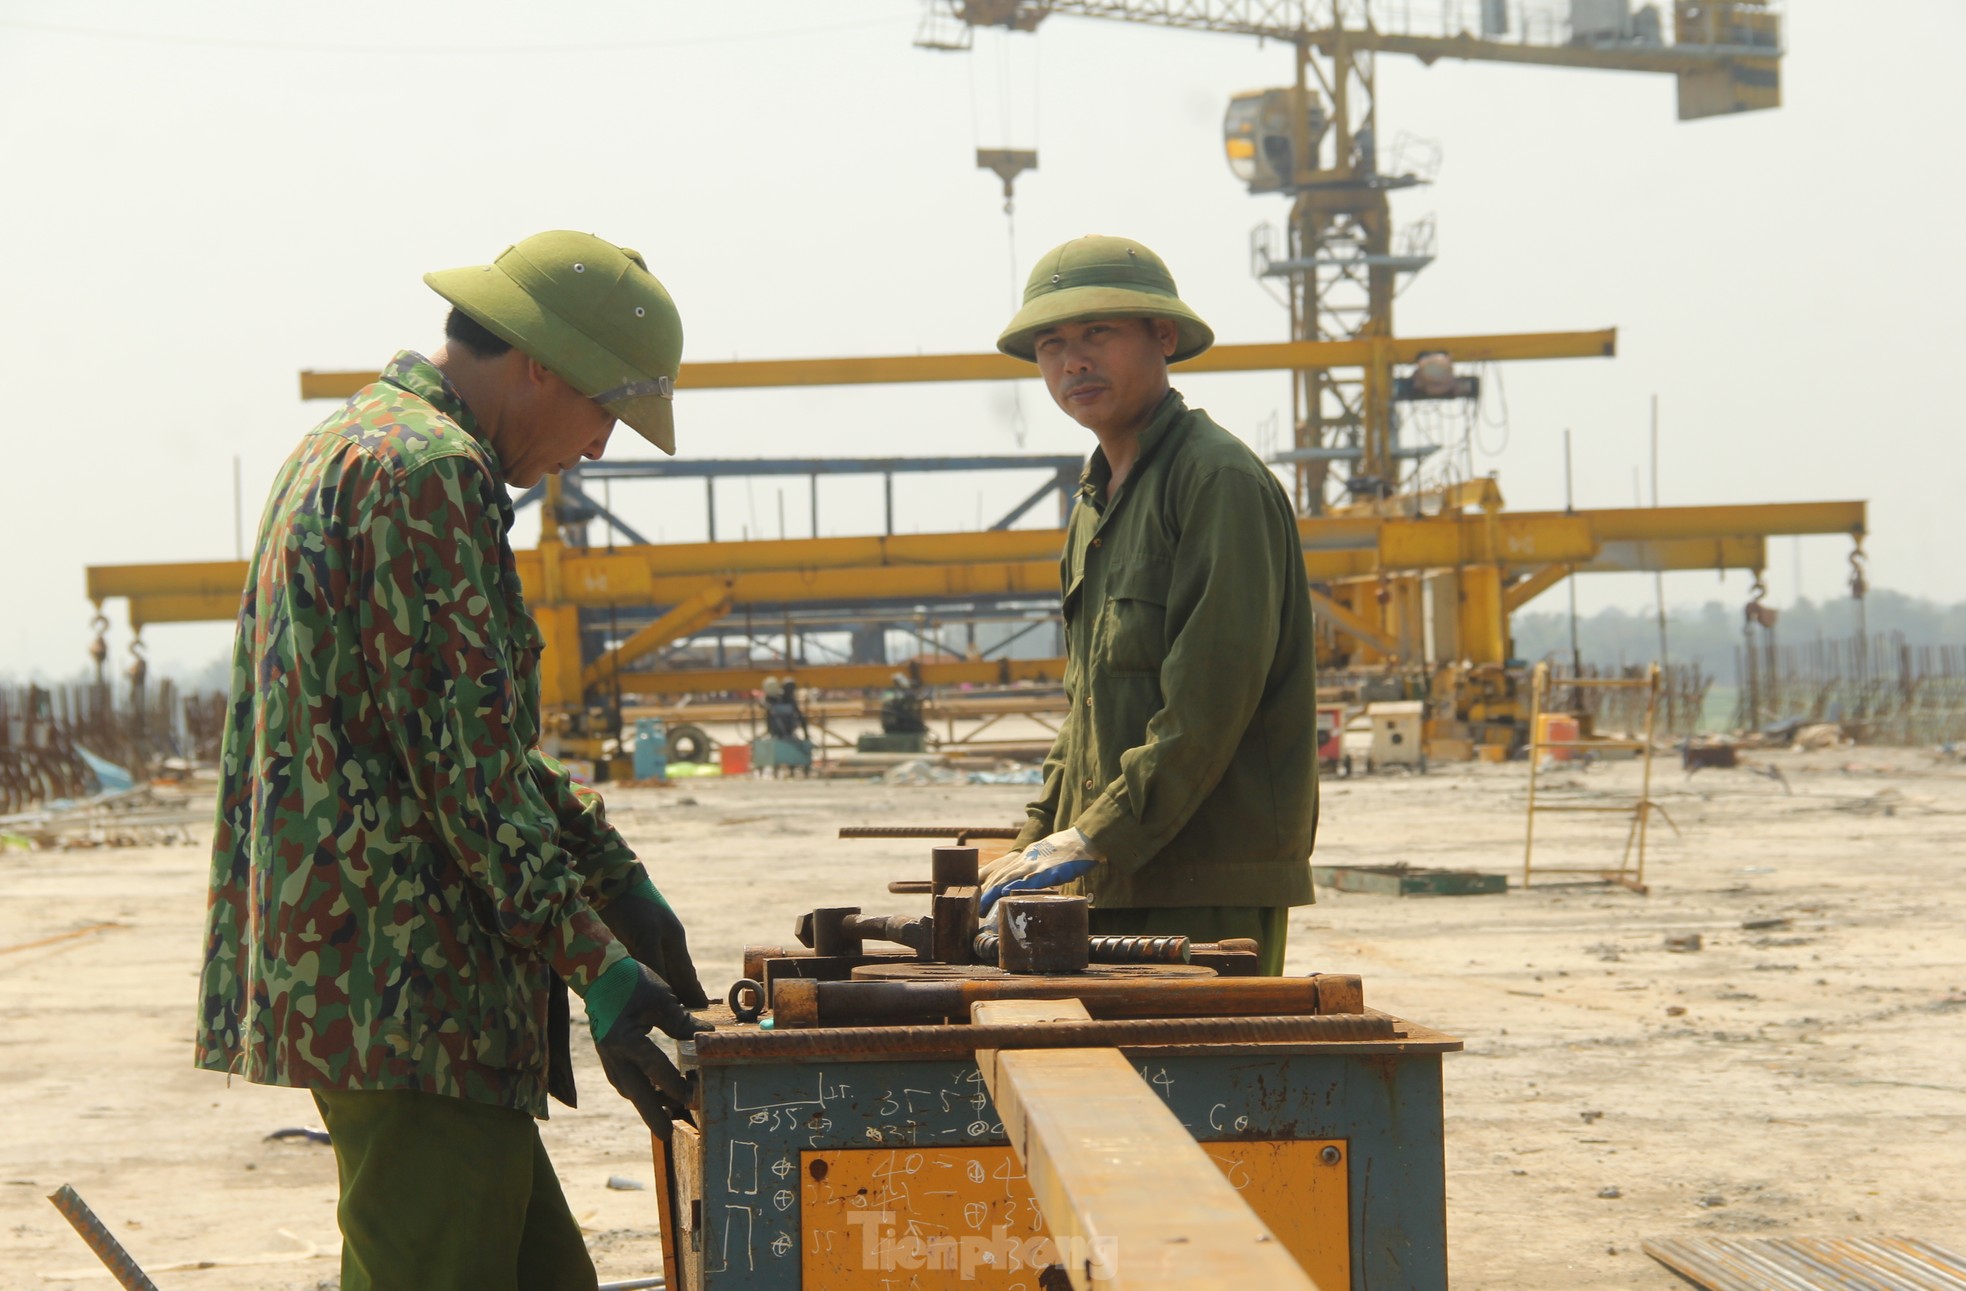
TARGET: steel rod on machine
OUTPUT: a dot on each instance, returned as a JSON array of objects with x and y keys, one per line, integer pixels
[
  {"x": 957, "y": 832},
  {"x": 745, "y": 1045},
  {"x": 1129, "y": 1197},
  {"x": 805, "y": 1002}
]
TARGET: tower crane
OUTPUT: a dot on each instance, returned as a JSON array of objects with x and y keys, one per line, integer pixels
[{"x": 1316, "y": 142}]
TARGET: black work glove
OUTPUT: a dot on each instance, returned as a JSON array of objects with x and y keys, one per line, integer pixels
[
  {"x": 635, "y": 1065},
  {"x": 643, "y": 922}
]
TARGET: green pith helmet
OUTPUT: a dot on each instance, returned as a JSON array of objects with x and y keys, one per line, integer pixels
[
  {"x": 589, "y": 310},
  {"x": 1099, "y": 277}
]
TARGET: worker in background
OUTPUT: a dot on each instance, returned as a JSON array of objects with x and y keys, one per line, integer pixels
[
  {"x": 402, "y": 884},
  {"x": 789, "y": 740},
  {"x": 901, "y": 708},
  {"x": 1181, "y": 792}
]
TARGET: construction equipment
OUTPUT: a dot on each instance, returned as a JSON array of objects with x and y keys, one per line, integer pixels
[
  {"x": 890, "y": 1099},
  {"x": 1317, "y": 142},
  {"x": 1342, "y": 261},
  {"x": 1479, "y": 566},
  {"x": 1415, "y": 583}
]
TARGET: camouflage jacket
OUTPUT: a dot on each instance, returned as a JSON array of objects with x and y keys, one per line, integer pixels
[{"x": 397, "y": 871}]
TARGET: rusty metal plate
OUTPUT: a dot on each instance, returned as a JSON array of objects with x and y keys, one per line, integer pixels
[
  {"x": 918, "y": 972},
  {"x": 1811, "y": 1263},
  {"x": 872, "y": 1217}
]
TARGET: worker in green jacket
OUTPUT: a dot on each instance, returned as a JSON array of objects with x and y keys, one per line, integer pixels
[{"x": 1181, "y": 791}]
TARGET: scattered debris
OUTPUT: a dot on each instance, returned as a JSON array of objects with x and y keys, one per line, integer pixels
[
  {"x": 1822, "y": 735},
  {"x": 1769, "y": 771},
  {"x": 1684, "y": 943},
  {"x": 1611, "y": 1192},
  {"x": 1018, "y": 773},
  {"x": 622, "y": 1183},
  {"x": 1591, "y": 1117},
  {"x": 936, "y": 770},
  {"x": 61, "y": 937},
  {"x": 1711, "y": 1200},
  {"x": 1704, "y": 754},
  {"x": 1405, "y": 881},
  {"x": 1761, "y": 925},
  {"x": 1675, "y": 1010},
  {"x": 298, "y": 1132},
  {"x": 135, "y": 817}
]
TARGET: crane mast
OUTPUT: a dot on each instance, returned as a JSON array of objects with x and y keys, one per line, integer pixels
[{"x": 1316, "y": 142}]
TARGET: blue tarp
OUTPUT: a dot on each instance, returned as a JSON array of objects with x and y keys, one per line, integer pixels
[{"x": 110, "y": 778}]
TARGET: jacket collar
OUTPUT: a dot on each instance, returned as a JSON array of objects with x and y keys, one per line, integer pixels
[
  {"x": 1160, "y": 428},
  {"x": 413, "y": 374}
]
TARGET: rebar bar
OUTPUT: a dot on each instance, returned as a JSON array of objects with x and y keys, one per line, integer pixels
[
  {"x": 1109, "y": 949},
  {"x": 960, "y": 833},
  {"x": 110, "y": 1251}
]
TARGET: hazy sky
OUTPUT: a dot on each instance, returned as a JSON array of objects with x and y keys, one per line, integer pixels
[{"x": 203, "y": 198}]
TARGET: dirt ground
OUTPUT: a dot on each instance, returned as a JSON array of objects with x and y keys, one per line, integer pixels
[{"x": 1803, "y": 1077}]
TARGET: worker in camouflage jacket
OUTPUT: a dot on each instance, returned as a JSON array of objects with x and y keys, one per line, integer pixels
[
  {"x": 1181, "y": 791},
  {"x": 401, "y": 881}
]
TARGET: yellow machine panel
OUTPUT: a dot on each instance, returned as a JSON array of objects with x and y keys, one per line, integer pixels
[{"x": 870, "y": 1217}]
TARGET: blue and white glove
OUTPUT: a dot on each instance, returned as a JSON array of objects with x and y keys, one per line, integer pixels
[{"x": 1064, "y": 856}]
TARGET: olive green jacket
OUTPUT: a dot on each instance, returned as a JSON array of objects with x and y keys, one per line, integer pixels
[{"x": 1189, "y": 755}]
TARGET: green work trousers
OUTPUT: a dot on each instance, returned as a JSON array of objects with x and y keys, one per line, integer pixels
[
  {"x": 442, "y": 1194},
  {"x": 1269, "y": 925}
]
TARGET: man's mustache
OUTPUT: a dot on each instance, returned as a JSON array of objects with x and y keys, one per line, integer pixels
[{"x": 1081, "y": 383}]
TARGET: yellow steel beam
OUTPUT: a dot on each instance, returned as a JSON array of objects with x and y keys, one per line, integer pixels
[
  {"x": 1762, "y": 519},
  {"x": 692, "y": 615},
  {"x": 853, "y": 676},
  {"x": 1532, "y": 586},
  {"x": 960, "y": 564},
  {"x": 993, "y": 546},
  {"x": 1679, "y": 553},
  {"x": 598, "y": 579},
  {"x": 212, "y": 607},
  {"x": 1352, "y": 625},
  {"x": 225, "y": 578},
  {"x": 756, "y": 374}
]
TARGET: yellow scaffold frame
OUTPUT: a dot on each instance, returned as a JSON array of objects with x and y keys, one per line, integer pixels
[{"x": 1630, "y": 870}]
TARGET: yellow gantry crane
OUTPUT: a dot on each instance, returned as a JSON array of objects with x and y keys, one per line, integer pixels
[
  {"x": 1406, "y": 576},
  {"x": 1317, "y": 142}
]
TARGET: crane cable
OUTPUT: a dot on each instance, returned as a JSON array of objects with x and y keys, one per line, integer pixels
[{"x": 1020, "y": 426}]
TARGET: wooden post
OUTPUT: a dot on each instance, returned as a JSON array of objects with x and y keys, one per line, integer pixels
[{"x": 1132, "y": 1201}]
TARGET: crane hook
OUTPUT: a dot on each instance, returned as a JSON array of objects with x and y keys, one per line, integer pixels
[{"x": 99, "y": 647}]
